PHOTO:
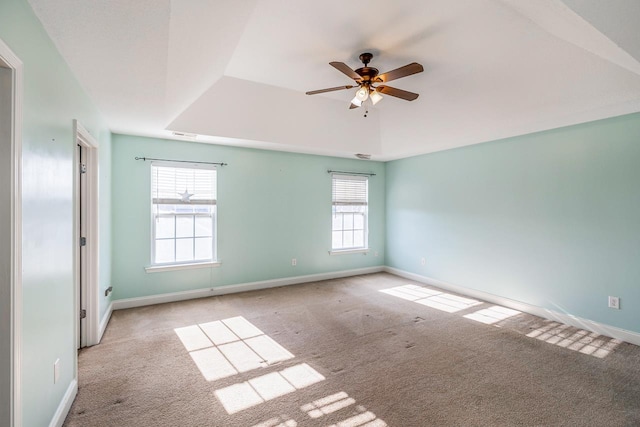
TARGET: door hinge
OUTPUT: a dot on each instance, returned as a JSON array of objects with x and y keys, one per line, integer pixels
[
  {"x": 83, "y": 168},
  {"x": 83, "y": 313},
  {"x": 83, "y": 241}
]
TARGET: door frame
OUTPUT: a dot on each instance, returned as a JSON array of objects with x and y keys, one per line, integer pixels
[
  {"x": 15, "y": 280},
  {"x": 90, "y": 286}
]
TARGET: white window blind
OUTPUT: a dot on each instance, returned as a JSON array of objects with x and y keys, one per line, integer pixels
[
  {"x": 178, "y": 185},
  {"x": 350, "y": 190}
]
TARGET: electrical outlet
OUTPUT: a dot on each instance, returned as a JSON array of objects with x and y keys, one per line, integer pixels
[
  {"x": 56, "y": 371},
  {"x": 294, "y": 262},
  {"x": 375, "y": 253},
  {"x": 423, "y": 261},
  {"x": 614, "y": 302}
]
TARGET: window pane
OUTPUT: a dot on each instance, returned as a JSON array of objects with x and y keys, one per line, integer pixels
[
  {"x": 164, "y": 209},
  {"x": 348, "y": 221},
  {"x": 204, "y": 227},
  {"x": 358, "y": 239},
  {"x": 358, "y": 222},
  {"x": 336, "y": 240},
  {"x": 165, "y": 227},
  {"x": 348, "y": 239},
  {"x": 164, "y": 251},
  {"x": 204, "y": 248},
  {"x": 184, "y": 226},
  {"x": 184, "y": 249},
  {"x": 336, "y": 221}
]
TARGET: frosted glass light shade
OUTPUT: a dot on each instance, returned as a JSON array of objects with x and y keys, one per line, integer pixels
[
  {"x": 362, "y": 94},
  {"x": 375, "y": 97}
]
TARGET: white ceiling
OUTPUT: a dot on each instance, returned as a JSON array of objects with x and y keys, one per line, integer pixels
[{"x": 235, "y": 71}]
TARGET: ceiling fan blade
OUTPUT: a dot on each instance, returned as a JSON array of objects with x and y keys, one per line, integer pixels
[
  {"x": 344, "y": 68},
  {"x": 331, "y": 89},
  {"x": 398, "y": 93},
  {"x": 405, "y": 71}
]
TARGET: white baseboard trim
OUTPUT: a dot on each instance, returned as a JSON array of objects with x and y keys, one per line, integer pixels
[
  {"x": 243, "y": 287},
  {"x": 65, "y": 405},
  {"x": 105, "y": 321},
  {"x": 568, "y": 319}
]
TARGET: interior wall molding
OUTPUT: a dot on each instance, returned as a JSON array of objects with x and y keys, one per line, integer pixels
[
  {"x": 11, "y": 60},
  {"x": 243, "y": 287},
  {"x": 568, "y": 319},
  {"x": 105, "y": 321},
  {"x": 65, "y": 405}
]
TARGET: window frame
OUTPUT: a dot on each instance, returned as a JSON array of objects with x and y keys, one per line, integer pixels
[
  {"x": 188, "y": 264},
  {"x": 356, "y": 249}
]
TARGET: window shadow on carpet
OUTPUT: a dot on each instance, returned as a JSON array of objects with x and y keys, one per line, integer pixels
[{"x": 551, "y": 332}]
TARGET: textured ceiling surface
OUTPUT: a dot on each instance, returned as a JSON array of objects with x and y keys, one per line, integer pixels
[{"x": 235, "y": 72}]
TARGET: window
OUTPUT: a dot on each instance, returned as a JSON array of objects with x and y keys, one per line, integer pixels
[
  {"x": 350, "y": 198},
  {"x": 184, "y": 213}
]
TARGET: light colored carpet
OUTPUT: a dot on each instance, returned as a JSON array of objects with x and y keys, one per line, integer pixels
[{"x": 343, "y": 353}]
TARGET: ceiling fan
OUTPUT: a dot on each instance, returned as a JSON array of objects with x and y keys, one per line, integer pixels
[{"x": 366, "y": 79}]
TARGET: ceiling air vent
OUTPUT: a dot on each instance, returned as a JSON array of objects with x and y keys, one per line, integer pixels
[{"x": 191, "y": 136}]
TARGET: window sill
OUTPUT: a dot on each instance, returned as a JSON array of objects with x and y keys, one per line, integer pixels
[
  {"x": 172, "y": 267},
  {"x": 349, "y": 251}
]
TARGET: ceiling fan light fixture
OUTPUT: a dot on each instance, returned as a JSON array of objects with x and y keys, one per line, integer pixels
[
  {"x": 362, "y": 94},
  {"x": 366, "y": 77},
  {"x": 375, "y": 97}
]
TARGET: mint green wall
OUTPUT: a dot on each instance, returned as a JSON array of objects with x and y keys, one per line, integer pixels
[
  {"x": 272, "y": 206},
  {"x": 550, "y": 219},
  {"x": 52, "y": 99}
]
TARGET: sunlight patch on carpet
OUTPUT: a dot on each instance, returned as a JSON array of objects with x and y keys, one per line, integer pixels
[
  {"x": 328, "y": 405},
  {"x": 366, "y": 419},
  {"x": 281, "y": 421},
  {"x": 241, "y": 396},
  {"x": 227, "y": 347},
  {"x": 431, "y": 298},
  {"x": 411, "y": 292},
  {"x": 242, "y": 356},
  {"x": 212, "y": 364},
  {"x": 579, "y": 340},
  {"x": 337, "y": 402},
  {"x": 548, "y": 331},
  {"x": 492, "y": 314},
  {"x": 193, "y": 338}
]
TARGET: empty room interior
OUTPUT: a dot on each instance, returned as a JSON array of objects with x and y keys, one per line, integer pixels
[{"x": 293, "y": 213}]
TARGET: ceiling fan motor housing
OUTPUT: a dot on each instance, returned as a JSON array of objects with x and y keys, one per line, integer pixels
[{"x": 368, "y": 74}]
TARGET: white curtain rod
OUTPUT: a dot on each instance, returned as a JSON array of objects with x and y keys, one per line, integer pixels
[
  {"x": 353, "y": 173},
  {"x": 181, "y": 161}
]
